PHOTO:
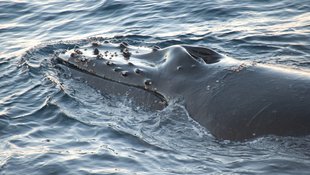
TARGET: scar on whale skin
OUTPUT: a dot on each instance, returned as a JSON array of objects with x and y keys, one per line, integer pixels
[{"x": 233, "y": 99}]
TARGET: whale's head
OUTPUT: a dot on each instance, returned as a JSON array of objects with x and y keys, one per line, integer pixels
[{"x": 160, "y": 72}]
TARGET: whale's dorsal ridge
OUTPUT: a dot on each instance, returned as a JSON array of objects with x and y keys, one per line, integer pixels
[{"x": 207, "y": 55}]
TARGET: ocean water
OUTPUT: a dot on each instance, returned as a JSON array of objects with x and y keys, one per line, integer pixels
[{"x": 52, "y": 124}]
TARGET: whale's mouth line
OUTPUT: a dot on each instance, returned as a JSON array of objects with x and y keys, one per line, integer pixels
[{"x": 72, "y": 66}]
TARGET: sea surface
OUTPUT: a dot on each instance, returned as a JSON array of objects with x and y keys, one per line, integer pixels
[{"x": 51, "y": 124}]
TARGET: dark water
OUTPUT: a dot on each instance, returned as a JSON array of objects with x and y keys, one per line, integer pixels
[{"x": 51, "y": 124}]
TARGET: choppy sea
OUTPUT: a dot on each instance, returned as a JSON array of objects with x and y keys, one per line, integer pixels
[{"x": 51, "y": 124}]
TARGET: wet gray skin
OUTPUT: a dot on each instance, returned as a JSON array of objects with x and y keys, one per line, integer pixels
[{"x": 234, "y": 100}]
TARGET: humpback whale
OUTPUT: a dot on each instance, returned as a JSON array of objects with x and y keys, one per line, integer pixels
[{"x": 233, "y": 99}]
